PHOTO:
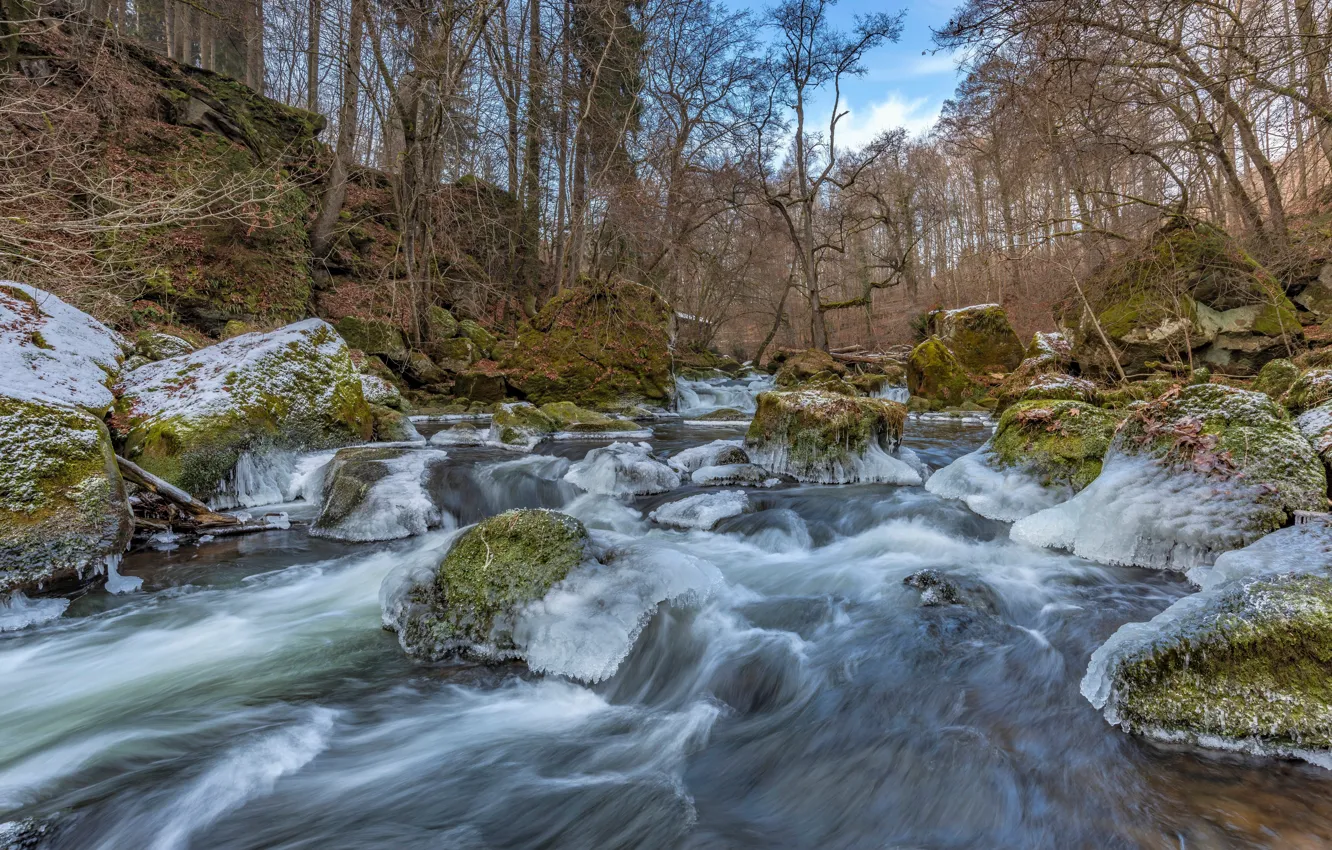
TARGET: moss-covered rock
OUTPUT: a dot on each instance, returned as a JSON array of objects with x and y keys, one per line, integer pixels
[
  {"x": 377, "y": 390},
  {"x": 1276, "y": 378},
  {"x": 486, "y": 387},
  {"x": 520, "y": 425},
  {"x": 596, "y": 344},
  {"x": 392, "y": 426},
  {"x": 190, "y": 418},
  {"x": 488, "y": 574},
  {"x": 373, "y": 336},
  {"x": 1041, "y": 378},
  {"x": 825, "y": 437},
  {"x": 1052, "y": 344},
  {"x": 894, "y": 373},
  {"x": 1126, "y": 395},
  {"x": 980, "y": 337},
  {"x": 724, "y": 414},
  {"x": 800, "y": 367},
  {"x": 934, "y": 373},
  {"x": 378, "y": 493},
  {"x": 483, "y": 339},
  {"x": 1242, "y": 664},
  {"x": 441, "y": 323},
  {"x": 569, "y": 417},
  {"x": 455, "y": 355},
  {"x": 159, "y": 346},
  {"x": 1309, "y": 390},
  {"x": 1060, "y": 442},
  {"x": 63, "y": 510}
]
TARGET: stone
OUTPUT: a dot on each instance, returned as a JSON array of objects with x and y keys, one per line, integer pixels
[
  {"x": 568, "y": 417},
  {"x": 805, "y": 365},
  {"x": 935, "y": 374},
  {"x": 1276, "y": 378},
  {"x": 1316, "y": 297},
  {"x": 1309, "y": 390},
  {"x": 480, "y": 386},
  {"x": 379, "y": 493},
  {"x": 1059, "y": 442},
  {"x": 520, "y": 425},
  {"x": 828, "y": 438},
  {"x": 393, "y": 426},
  {"x": 374, "y": 336},
  {"x": 980, "y": 337},
  {"x": 418, "y": 368},
  {"x": 483, "y": 339},
  {"x": 441, "y": 323},
  {"x": 377, "y": 390},
  {"x": 159, "y": 346}
]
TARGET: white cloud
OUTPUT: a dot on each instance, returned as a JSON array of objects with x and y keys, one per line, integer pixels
[{"x": 861, "y": 126}]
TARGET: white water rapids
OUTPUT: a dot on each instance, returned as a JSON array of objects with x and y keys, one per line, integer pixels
[{"x": 790, "y": 693}]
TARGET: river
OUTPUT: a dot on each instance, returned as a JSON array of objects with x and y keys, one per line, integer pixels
[{"x": 249, "y": 697}]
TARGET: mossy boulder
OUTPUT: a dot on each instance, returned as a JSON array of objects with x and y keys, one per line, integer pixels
[
  {"x": 1276, "y": 378},
  {"x": 63, "y": 510},
  {"x": 441, "y": 323},
  {"x": 1309, "y": 390},
  {"x": 596, "y": 344},
  {"x": 829, "y": 382},
  {"x": 190, "y": 418},
  {"x": 392, "y": 426},
  {"x": 569, "y": 417},
  {"x": 725, "y": 414},
  {"x": 894, "y": 373},
  {"x": 155, "y": 345},
  {"x": 934, "y": 373},
  {"x": 868, "y": 384},
  {"x": 1043, "y": 377},
  {"x": 1242, "y": 664},
  {"x": 1127, "y": 395},
  {"x": 377, "y": 390},
  {"x": 379, "y": 493},
  {"x": 1051, "y": 344},
  {"x": 374, "y": 336},
  {"x": 822, "y": 437},
  {"x": 980, "y": 337},
  {"x": 483, "y": 339},
  {"x": 455, "y": 355},
  {"x": 489, "y": 573},
  {"x": 1060, "y": 442},
  {"x": 487, "y": 387},
  {"x": 520, "y": 425},
  {"x": 802, "y": 366}
]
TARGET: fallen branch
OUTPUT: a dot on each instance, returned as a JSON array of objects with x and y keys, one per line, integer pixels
[{"x": 201, "y": 513}]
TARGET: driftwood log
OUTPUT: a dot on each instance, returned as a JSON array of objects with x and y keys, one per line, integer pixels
[{"x": 201, "y": 516}]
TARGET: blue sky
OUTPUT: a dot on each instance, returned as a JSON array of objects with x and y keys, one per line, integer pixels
[{"x": 906, "y": 84}]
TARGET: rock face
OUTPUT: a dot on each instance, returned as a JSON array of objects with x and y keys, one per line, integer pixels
[
  {"x": 1241, "y": 664},
  {"x": 379, "y": 494},
  {"x": 595, "y": 344},
  {"x": 980, "y": 337},
  {"x": 804, "y": 365},
  {"x": 1197, "y": 472},
  {"x": 490, "y": 571},
  {"x": 828, "y": 438},
  {"x": 189, "y": 419},
  {"x": 933, "y": 372},
  {"x": 63, "y": 510}
]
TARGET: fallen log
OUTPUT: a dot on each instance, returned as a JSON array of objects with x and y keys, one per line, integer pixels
[{"x": 200, "y": 514}]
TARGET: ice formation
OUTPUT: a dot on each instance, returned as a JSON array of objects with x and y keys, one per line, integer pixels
[
  {"x": 1139, "y": 513},
  {"x": 462, "y": 435},
  {"x": 17, "y": 611},
  {"x": 395, "y": 506},
  {"x": 734, "y": 473},
  {"x": 622, "y": 469},
  {"x": 702, "y": 511},
  {"x": 585, "y": 626},
  {"x": 54, "y": 353},
  {"x": 271, "y": 478},
  {"x": 1005, "y": 495},
  {"x": 711, "y": 454},
  {"x": 115, "y": 582},
  {"x": 901, "y": 466}
]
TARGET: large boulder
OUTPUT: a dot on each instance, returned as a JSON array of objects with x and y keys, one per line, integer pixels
[
  {"x": 1197, "y": 472},
  {"x": 622, "y": 469},
  {"x": 979, "y": 336},
  {"x": 598, "y": 344},
  {"x": 804, "y": 365},
  {"x": 374, "y": 336},
  {"x": 1309, "y": 390},
  {"x": 1042, "y": 453},
  {"x": 831, "y": 439},
  {"x": 1241, "y": 664},
  {"x": 63, "y": 510},
  {"x": 1276, "y": 378},
  {"x": 190, "y": 419},
  {"x": 379, "y": 493},
  {"x": 520, "y": 426},
  {"x": 483, "y": 339},
  {"x": 933, "y": 372},
  {"x": 470, "y": 603}
]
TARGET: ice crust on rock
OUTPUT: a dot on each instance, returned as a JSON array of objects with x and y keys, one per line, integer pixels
[
  {"x": 702, "y": 511},
  {"x": 1006, "y": 495},
  {"x": 734, "y": 473},
  {"x": 17, "y": 611},
  {"x": 55, "y": 353},
  {"x": 1140, "y": 513},
  {"x": 622, "y": 469},
  {"x": 271, "y": 478},
  {"x": 397, "y": 505},
  {"x": 876, "y": 466},
  {"x": 586, "y": 625},
  {"x": 709, "y": 454}
]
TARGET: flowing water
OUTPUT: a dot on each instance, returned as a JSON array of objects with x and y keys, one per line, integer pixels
[{"x": 248, "y": 697}]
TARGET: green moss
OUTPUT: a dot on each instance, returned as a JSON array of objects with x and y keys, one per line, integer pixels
[
  {"x": 1060, "y": 442},
  {"x": 373, "y": 337},
  {"x": 814, "y": 434},
  {"x": 802, "y": 366},
  {"x": 725, "y": 414},
  {"x": 441, "y": 323},
  {"x": 1276, "y": 377},
  {"x": 483, "y": 339},
  {"x": 980, "y": 337},
  {"x": 1309, "y": 390},
  {"x": 934, "y": 373},
  {"x": 567, "y": 416},
  {"x": 455, "y": 354}
]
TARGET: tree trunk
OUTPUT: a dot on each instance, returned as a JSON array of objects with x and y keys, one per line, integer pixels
[
  {"x": 321, "y": 238},
  {"x": 529, "y": 265},
  {"x": 312, "y": 56}
]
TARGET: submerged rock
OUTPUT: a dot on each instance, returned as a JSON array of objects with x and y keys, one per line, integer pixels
[
  {"x": 1241, "y": 664},
  {"x": 934, "y": 373},
  {"x": 1197, "y": 472},
  {"x": 831, "y": 439},
  {"x": 377, "y": 493},
  {"x": 470, "y": 603},
  {"x": 702, "y": 511},
  {"x": 622, "y": 469},
  {"x": 980, "y": 337},
  {"x": 190, "y": 419},
  {"x": 63, "y": 509},
  {"x": 934, "y": 588}
]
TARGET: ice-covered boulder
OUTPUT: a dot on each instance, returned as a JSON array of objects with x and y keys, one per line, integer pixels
[
  {"x": 468, "y": 604},
  {"x": 1199, "y": 471},
  {"x": 933, "y": 372},
  {"x": 1242, "y": 664},
  {"x": 979, "y": 336},
  {"x": 622, "y": 469},
  {"x": 830, "y": 439},
  {"x": 190, "y": 419},
  {"x": 1042, "y": 453},
  {"x": 379, "y": 493},
  {"x": 63, "y": 511},
  {"x": 702, "y": 511},
  {"x": 716, "y": 453},
  {"x": 728, "y": 474},
  {"x": 53, "y": 353}
]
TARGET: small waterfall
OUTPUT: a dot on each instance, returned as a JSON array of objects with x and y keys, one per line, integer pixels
[
  {"x": 699, "y": 398},
  {"x": 894, "y": 393}
]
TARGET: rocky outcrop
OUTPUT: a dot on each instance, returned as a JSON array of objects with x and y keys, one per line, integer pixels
[
  {"x": 470, "y": 602},
  {"x": 830, "y": 439},
  {"x": 934, "y": 373},
  {"x": 191, "y": 418},
  {"x": 802, "y": 366},
  {"x": 979, "y": 336},
  {"x": 1241, "y": 664},
  {"x": 1197, "y": 472},
  {"x": 597, "y": 344}
]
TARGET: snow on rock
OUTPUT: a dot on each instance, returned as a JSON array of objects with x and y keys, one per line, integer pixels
[
  {"x": 376, "y": 390},
  {"x": 462, "y": 435},
  {"x": 622, "y": 469},
  {"x": 1002, "y": 494},
  {"x": 702, "y": 511},
  {"x": 53, "y": 353},
  {"x": 1240, "y": 664},
  {"x": 377, "y": 493},
  {"x": 586, "y": 625},
  {"x": 716, "y": 453},
  {"x": 190, "y": 419}
]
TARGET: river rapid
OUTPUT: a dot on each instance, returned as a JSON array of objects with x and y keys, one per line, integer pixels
[{"x": 249, "y": 697}]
